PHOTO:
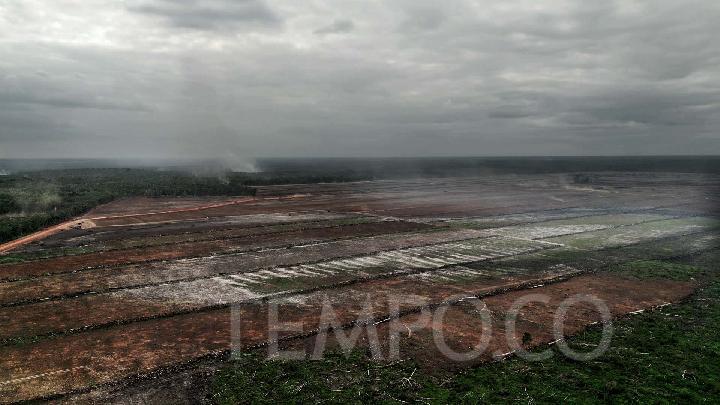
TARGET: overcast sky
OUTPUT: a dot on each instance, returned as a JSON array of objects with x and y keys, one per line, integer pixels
[{"x": 247, "y": 78}]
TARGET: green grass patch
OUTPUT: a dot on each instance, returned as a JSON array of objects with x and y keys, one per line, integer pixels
[
  {"x": 657, "y": 269},
  {"x": 336, "y": 379},
  {"x": 21, "y": 257}
]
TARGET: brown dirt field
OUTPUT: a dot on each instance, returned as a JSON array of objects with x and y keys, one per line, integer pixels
[
  {"x": 75, "y": 362},
  {"x": 139, "y": 215},
  {"x": 463, "y": 198},
  {"x": 240, "y": 206},
  {"x": 464, "y": 330},
  {"x": 71, "y": 322},
  {"x": 103, "y": 279},
  {"x": 93, "y": 310},
  {"x": 139, "y": 236},
  {"x": 67, "y": 264},
  {"x": 102, "y": 356},
  {"x": 397, "y": 200},
  {"x": 139, "y": 205}
]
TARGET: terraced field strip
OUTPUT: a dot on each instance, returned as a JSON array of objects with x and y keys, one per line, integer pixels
[
  {"x": 103, "y": 356},
  {"x": 137, "y": 304},
  {"x": 269, "y": 205},
  {"x": 574, "y": 226},
  {"x": 408, "y": 204},
  {"x": 122, "y": 232},
  {"x": 530, "y": 202},
  {"x": 676, "y": 209},
  {"x": 104, "y": 279},
  {"x": 11, "y": 271},
  {"x": 463, "y": 328},
  {"x": 168, "y": 298},
  {"x": 167, "y": 239},
  {"x": 524, "y": 218},
  {"x": 217, "y": 224},
  {"x": 176, "y": 210},
  {"x": 140, "y": 205},
  {"x": 445, "y": 209},
  {"x": 165, "y": 236},
  {"x": 72, "y": 264},
  {"x": 198, "y": 226},
  {"x": 211, "y": 291},
  {"x": 669, "y": 247},
  {"x": 192, "y": 212},
  {"x": 636, "y": 233},
  {"x": 227, "y": 289}
]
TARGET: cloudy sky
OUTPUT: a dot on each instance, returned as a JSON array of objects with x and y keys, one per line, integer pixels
[{"x": 245, "y": 78}]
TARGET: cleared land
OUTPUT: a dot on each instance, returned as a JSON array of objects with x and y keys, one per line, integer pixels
[{"x": 148, "y": 287}]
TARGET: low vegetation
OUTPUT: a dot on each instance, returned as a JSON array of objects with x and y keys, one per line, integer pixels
[
  {"x": 336, "y": 378},
  {"x": 658, "y": 269},
  {"x": 8, "y": 204}
]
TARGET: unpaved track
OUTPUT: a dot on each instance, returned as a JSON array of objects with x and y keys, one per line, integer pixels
[
  {"x": 189, "y": 209},
  {"x": 40, "y": 235}
]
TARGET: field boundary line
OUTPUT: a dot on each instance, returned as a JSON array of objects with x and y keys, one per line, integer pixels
[{"x": 41, "y": 375}]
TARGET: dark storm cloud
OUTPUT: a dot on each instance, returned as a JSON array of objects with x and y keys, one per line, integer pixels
[
  {"x": 351, "y": 77},
  {"x": 209, "y": 14}
]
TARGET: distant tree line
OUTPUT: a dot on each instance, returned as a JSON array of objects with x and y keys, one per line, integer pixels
[
  {"x": 79, "y": 190},
  {"x": 376, "y": 168}
]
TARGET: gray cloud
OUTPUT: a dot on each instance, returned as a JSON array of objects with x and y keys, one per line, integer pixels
[
  {"x": 209, "y": 14},
  {"x": 337, "y": 27},
  {"x": 38, "y": 96},
  {"x": 224, "y": 78},
  {"x": 423, "y": 18}
]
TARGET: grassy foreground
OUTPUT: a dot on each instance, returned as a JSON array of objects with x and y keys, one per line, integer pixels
[{"x": 668, "y": 355}]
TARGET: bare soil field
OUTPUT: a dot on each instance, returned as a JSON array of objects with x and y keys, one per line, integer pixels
[{"x": 155, "y": 284}]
